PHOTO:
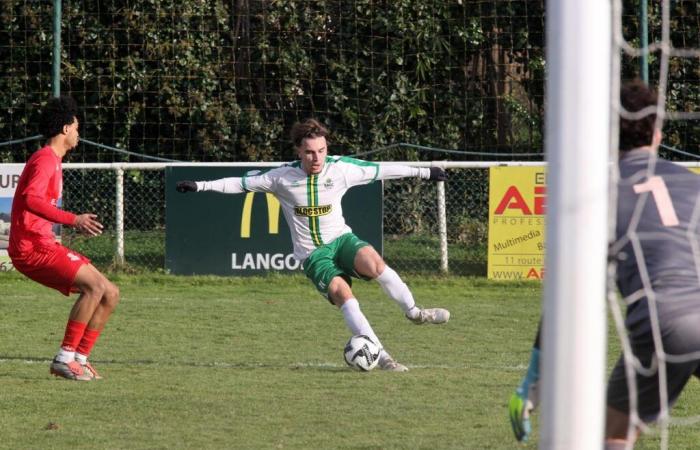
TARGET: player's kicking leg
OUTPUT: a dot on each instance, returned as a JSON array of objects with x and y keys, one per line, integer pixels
[
  {"x": 341, "y": 295},
  {"x": 368, "y": 263}
]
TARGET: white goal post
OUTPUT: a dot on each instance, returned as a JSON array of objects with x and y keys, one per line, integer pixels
[{"x": 577, "y": 144}]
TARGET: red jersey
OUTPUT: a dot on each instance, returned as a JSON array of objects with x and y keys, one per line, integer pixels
[{"x": 34, "y": 209}]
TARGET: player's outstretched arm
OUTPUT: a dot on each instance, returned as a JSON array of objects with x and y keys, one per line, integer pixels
[
  {"x": 394, "y": 171},
  {"x": 186, "y": 186},
  {"x": 437, "y": 174},
  {"x": 231, "y": 185}
]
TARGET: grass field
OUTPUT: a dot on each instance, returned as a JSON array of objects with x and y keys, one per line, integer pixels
[{"x": 250, "y": 363}]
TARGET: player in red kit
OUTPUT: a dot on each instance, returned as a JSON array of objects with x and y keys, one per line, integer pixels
[{"x": 36, "y": 253}]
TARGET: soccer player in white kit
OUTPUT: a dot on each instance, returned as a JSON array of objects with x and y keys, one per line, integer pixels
[{"x": 310, "y": 192}]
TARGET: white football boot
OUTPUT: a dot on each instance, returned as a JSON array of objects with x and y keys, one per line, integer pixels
[
  {"x": 431, "y": 315},
  {"x": 386, "y": 362}
]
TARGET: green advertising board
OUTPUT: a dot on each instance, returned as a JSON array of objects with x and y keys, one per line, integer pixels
[{"x": 245, "y": 234}]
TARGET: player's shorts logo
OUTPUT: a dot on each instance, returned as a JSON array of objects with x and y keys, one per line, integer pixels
[
  {"x": 273, "y": 214},
  {"x": 73, "y": 256},
  {"x": 313, "y": 211}
]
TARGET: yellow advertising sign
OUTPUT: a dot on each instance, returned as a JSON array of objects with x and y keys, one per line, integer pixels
[{"x": 517, "y": 201}]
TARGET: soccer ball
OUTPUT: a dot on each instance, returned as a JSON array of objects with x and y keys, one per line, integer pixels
[{"x": 362, "y": 353}]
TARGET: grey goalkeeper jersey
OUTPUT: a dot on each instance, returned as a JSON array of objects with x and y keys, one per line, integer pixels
[
  {"x": 311, "y": 204},
  {"x": 658, "y": 238}
]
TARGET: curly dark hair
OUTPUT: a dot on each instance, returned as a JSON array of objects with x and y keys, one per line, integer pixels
[
  {"x": 635, "y": 96},
  {"x": 309, "y": 128},
  {"x": 58, "y": 112}
]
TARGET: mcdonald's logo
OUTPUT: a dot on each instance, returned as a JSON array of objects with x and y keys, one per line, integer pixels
[{"x": 273, "y": 214}]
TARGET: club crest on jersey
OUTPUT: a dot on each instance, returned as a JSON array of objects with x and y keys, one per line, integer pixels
[
  {"x": 328, "y": 184},
  {"x": 312, "y": 211}
]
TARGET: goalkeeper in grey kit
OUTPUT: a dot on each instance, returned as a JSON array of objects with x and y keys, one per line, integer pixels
[
  {"x": 310, "y": 192},
  {"x": 657, "y": 275}
]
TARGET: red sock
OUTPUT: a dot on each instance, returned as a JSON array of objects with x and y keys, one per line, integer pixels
[
  {"x": 74, "y": 333},
  {"x": 88, "y": 341}
]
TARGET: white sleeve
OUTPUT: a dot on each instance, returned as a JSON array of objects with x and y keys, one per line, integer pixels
[
  {"x": 363, "y": 172},
  {"x": 260, "y": 180},
  {"x": 224, "y": 185},
  {"x": 253, "y": 181},
  {"x": 357, "y": 171},
  {"x": 392, "y": 171}
]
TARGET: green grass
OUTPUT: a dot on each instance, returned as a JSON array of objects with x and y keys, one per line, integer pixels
[
  {"x": 143, "y": 250},
  {"x": 207, "y": 362},
  {"x": 419, "y": 255}
]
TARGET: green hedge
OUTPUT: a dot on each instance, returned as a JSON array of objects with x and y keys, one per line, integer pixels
[{"x": 224, "y": 80}]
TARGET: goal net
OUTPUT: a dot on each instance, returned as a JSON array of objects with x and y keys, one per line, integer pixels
[
  {"x": 657, "y": 232},
  {"x": 656, "y": 241}
]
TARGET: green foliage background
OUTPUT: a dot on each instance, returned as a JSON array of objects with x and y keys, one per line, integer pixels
[
  {"x": 683, "y": 90},
  {"x": 224, "y": 80}
]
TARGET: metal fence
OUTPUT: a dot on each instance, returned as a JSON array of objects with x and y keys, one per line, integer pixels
[
  {"x": 429, "y": 228},
  {"x": 130, "y": 202}
]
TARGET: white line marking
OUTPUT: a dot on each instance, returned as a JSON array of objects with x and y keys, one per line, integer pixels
[{"x": 297, "y": 365}]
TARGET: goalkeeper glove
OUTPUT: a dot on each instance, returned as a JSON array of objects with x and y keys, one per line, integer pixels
[
  {"x": 186, "y": 186},
  {"x": 525, "y": 398},
  {"x": 437, "y": 174},
  {"x": 519, "y": 409}
]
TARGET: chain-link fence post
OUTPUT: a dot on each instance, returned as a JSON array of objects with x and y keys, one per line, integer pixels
[
  {"x": 442, "y": 226},
  {"x": 119, "y": 218}
]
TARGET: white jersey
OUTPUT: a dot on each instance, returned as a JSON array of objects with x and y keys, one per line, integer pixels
[{"x": 311, "y": 204}]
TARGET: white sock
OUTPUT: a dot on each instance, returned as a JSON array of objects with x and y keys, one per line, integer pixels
[
  {"x": 82, "y": 359},
  {"x": 65, "y": 356},
  {"x": 384, "y": 355},
  {"x": 356, "y": 321},
  {"x": 397, "y": 290}
]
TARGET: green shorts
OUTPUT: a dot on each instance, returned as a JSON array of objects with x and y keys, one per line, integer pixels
[{"x": 333, "y": 260}]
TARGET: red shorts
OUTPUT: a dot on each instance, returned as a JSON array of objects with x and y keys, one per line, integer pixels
[{"x": 54, "y": 266}]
